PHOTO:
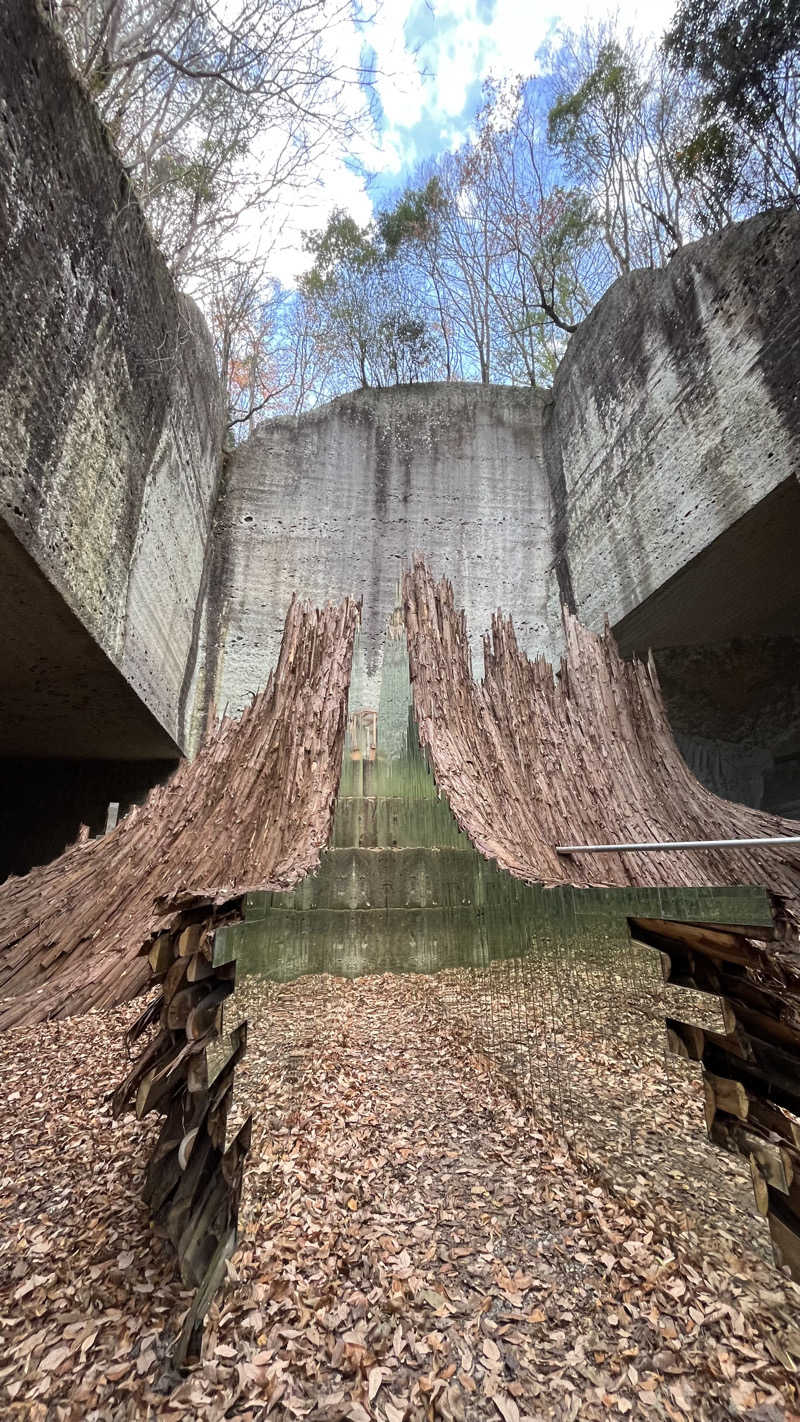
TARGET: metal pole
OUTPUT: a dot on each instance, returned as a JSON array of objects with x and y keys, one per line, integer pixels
[{"x": 652, "y": 846}]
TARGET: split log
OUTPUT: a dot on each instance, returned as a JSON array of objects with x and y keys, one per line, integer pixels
[
  {"x": 201, "y": 1164},
  {"x": 199, "y": 967},
  {"x": 760, "y": 1187},
  {"x": 205, "y": 1014},
  {"x": 695, "y": 1041},
  {"x": 174, "y": 979},
  {"x": 773, "y": 1120},
  {"x": 154, "y": 1055},
  {"x": 143, "y": 1021},
  {"x": 154, "y": 1092},
  {"x": 722, "y": 1094},
  {"x": 183, "y": 1003},
  {"x": 785, "y": 1232},
  {"x": 774, "y": 1162},
  {"x": 161, "y": 954},
  {"x": 188, "y": 1341},
  {"x": 189, "y": 940}
]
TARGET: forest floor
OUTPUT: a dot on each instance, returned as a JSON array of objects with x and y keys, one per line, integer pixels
[{"x": 412, "y": 1246}]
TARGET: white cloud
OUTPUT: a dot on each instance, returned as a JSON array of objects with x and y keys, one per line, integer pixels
[{"x": 460, "y": 42}]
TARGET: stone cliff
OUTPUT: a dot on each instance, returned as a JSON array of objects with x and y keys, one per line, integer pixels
[
  {"x": 110, "y": 418},
  {"x": 338, "y": 498},
  {"x": 656, "y": 485},
  {"x": 674, "y": 415}
]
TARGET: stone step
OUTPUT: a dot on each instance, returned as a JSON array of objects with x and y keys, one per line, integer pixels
[
  {"x": 286, "y": 944},
  {"x": 412, "y": 877},
  {"x": 393, "y": 821}
]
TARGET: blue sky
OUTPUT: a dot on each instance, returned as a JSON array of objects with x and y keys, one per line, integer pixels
[{"x": 432, "y": 58}]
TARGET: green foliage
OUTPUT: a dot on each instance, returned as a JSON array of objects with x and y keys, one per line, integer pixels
[
  {"x": 747, "y": 59},
  {"x": 341, "y": 243},
  {"x": 413, "y": 217},
  {"x": 740, "y": 49},
  {"x": 569, "y": 220},
  {"x": 612, "y": 83},
  {"x": 712, "y": 153},
  {"x": 354, "y": 292},
  {"x": 407, "y": 345}
]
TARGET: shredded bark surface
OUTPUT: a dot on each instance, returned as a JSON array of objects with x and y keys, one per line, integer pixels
[
  {"x": 412, "y": 1245},
  {"x": 530, "y": 760},
  {"x": 253, "y": 810}
]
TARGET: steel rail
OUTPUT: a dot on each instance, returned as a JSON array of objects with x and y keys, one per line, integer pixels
[{"x": 656, "y": 846}]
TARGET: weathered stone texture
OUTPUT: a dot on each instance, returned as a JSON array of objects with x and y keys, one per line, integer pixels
[
  {"x": 675, "y": 411},
  {"x": 335, "y": 500},
  {"x": 656, "y": 486},
  {"x": 110, "y": 410},
  {"x": 735, "y": 711}
]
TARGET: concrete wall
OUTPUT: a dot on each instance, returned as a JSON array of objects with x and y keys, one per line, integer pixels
[
  {"x": 656, "y": 485},
  {"x": 330, "y": 503},
  {"x": 673, "y": 445},
  {"x": 675, "y": 414},
  {"x": 110, "y": 410}
]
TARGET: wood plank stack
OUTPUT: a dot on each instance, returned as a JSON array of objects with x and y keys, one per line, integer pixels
[
  {"x": 194, "y": 1176},
  {"x": 751, "y": 1071}
]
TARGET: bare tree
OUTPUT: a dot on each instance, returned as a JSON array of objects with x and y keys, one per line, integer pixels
[
  {"x": 544, "y": 277},
  {"x": 246, "y": 312},
  {"x": 213, "y": 104},
  {"x": 369, "y": 315},
  {"x": 746, "y": 57}
]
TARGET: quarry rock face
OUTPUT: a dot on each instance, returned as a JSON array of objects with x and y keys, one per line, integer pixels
[
  {"x": 110, "y": 409},
  {"x": 674, "y": 422},
  {"x": 676, "y": 412},
  {"x": 655, "y": 485},
  {"x": 340, "y": 497}
]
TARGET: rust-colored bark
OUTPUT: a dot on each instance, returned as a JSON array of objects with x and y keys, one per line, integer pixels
[
  {"x": 252, "y": 811},
  {"x": 529, "y": 760}
]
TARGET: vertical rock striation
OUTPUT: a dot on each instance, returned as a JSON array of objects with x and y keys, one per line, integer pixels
[{"x": 110, "y": 408}]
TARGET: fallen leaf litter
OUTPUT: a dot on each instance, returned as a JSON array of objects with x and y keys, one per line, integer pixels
[{"x": 412, "y": 1245}]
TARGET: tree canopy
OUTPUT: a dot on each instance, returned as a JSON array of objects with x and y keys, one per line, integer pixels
[{"x": 614, "y": 155}]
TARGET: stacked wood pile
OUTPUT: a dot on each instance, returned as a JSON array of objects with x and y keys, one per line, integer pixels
[
  {"x": 751, "y": 1071},
  {"x": 253, "y": 810},
  {"x": 194, "y": 1176},
  {"x": 529, "y": 760}
]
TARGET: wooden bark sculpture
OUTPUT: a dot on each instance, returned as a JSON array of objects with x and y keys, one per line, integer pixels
[
  {"x": 142, "y": 906},
  {"x": 529, "y": 760},
  {"x": 253, "y": 809}
]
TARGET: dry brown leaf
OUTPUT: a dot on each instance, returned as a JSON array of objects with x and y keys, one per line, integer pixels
[
  {"x": 374, "y": 1380},
  {"x": 54, "y": 1358},
  {"x": 506, "y": 1406}
]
